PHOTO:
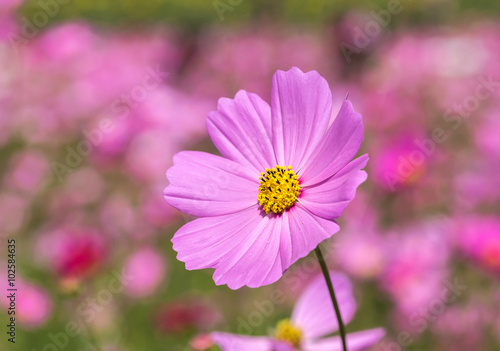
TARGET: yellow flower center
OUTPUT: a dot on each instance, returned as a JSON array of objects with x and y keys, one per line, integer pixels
[
  {"x": 286, "y": 331},
  {"x": 279, "y": 189}
]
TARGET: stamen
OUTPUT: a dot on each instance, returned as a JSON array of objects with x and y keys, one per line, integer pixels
[
  {"x": 286, "y": 331},
  {"x": 279, "y": 189}
]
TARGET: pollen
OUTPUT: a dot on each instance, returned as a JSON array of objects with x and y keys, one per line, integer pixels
[
  {"x": 279, "y": 189},
  {"x": 286, "y": 331}
]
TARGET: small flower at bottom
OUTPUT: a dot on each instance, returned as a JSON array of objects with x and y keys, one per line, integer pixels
[
  {"x": 312, "y": 319},
  {"x": 284, "y": 177}
]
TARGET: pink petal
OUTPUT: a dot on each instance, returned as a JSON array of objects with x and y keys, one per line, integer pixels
[
  {"x": 202, "y": 184},
  {"x": 147, "y": 266},
  {"x": 306, "y": 231},
  {"x": 243, "y": 247},
  {"x": 355, "y": 341},
  {"x": 254, "y": 261},
  {"x": 233, "y": 342},
  {"x": 248, "y": 247},
  {"x": 301, "y": 106},
  {"x": 314, "y": 312},
  {"x": 241, "y": 130},
  {"x": 330, "y": 198},
  {"x": 279, "y": 345},
  {"x": 338, "y": 147},
  {"x": 269, "y": 248},
  {"x": 204, "y": 242}
]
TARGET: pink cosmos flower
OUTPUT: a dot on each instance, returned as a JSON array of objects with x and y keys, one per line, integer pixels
[
  {"x": 417, "y": 258},
  {"x": 478, "y": 238},
  {"x": 28, "y": 172},
  {"x": 399, "y": 164},
  {"x": 148, "y": 267},
  {"x": 202, "y": 342},
  {"x": 8, "y": 5},
  {"x": 73, "y": 252},
  {"x": 282, "y": 181},
  {"x": 188, "y": 314},
  {"x": 312, "y": 318},
  {"x": 34, "y": 304},
  {"x": 360, "y": 251},
  {"x": 14, "y": 211}
]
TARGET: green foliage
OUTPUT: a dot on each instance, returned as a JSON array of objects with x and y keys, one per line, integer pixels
[{"x": 194, "y": 15}]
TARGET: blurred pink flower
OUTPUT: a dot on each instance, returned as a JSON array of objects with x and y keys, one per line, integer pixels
[
  {"x": 110, "y": 147},
  {"x": 478, "y": 238},
  {"x": 90, "y": 72},
  {"x": 83, "y": 186},
  {"x": 312, "y": 318},
  {"x": 398, "y": 164},
  {"x": 416, "y": 265},
  {"x": 154, "y": 209},
  {"x": 161, "y": 125},
  {"x": 28, "y": 171},
  {"x": 63, "y": 43},
  {"x": 486, "y": 134},
  {"x": 149, "y": 155},
  {"x": 351, "y": 32},
  {"x": 475, "y": 183},
  {"x": 460, "y": 326},
  {"x": 148, "y": 267},
  {"x": 7, "y": 5},
  {"x": 118, "y": 216},
  {"x": 73, "y": 253},
  {"x": 14, "y": 211},
  {"x": 360, "y": 250},
  {"x": 432, "y": 56},
  {"x": 187, "y": 314},
  {"x": 33, "y": 304},
  {"x": 9, "y": 29},
  {"x": 224, "y": 64},
  {"x": 202, "y": 342},
  {"x": 389, "y": 110}
]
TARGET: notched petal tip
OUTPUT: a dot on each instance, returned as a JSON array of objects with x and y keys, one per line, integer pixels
[
  {"x": 224, "y": 102},
  {"x": 297, "y": 72}
]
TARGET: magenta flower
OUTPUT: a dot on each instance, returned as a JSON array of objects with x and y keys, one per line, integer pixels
[
  {"x": 478, "y": 238},
  {"x": 312, "y": 319},
  {"x": 34, "y": 305},
  {"x": 284, "y": 177},
  {"x": 148, "y": 269}
]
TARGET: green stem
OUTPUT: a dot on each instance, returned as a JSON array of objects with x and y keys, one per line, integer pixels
[
  {"x": 91, "y": 338},
  {"x": 326, "y": 273}
]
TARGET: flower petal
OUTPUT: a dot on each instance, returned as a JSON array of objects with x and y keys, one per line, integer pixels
[
  {"x": 204, "y": 242},
  {"x": 271, "y": 247},
  {"x": 314, "y": 312},
  {"x": 306, "y": 231},
  {"x": 279, "y": 345},
  {"x": 330, "y": 198},
  {"x": 255, "y": 261},
  {"x": 241, "y": 130},
  {"x": 249, "y": 247},
  {"x": 338, "y": 147},
  {"x": 243, "y": 247},
  {"x": 234, "y": 342},
  {"x": 203, "y": 184},
  {"x": 301, "y": 106},
  {"x": 355, "y": 341}
]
